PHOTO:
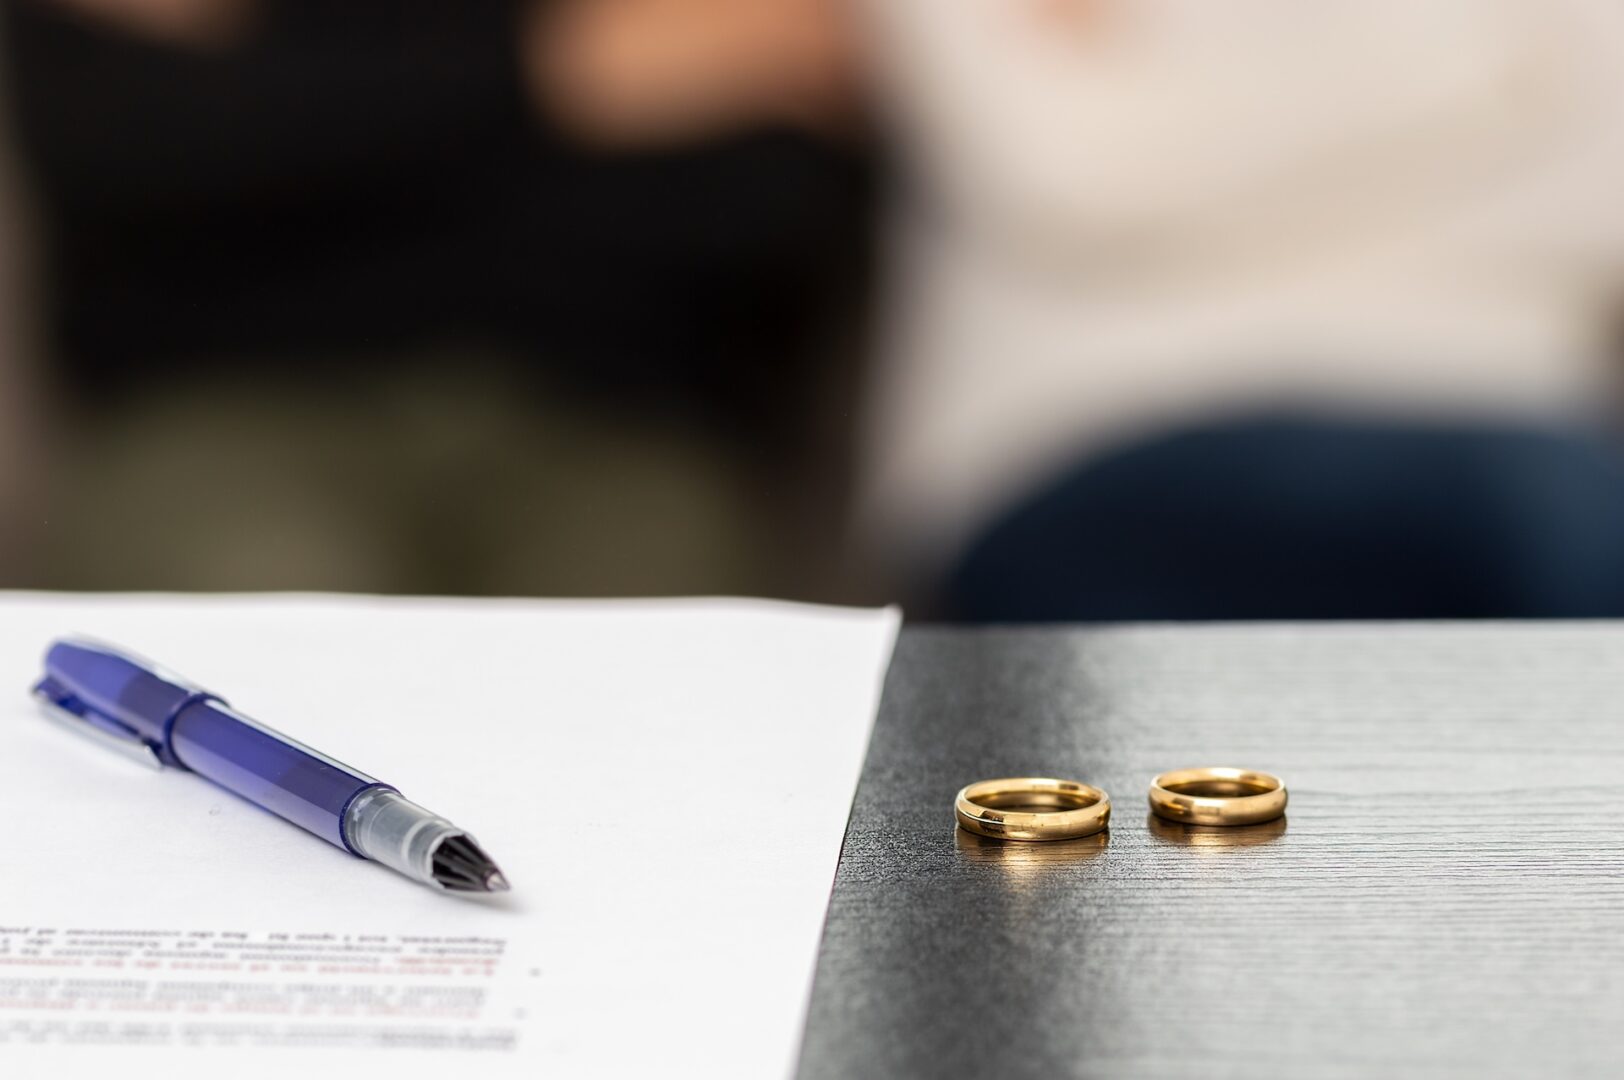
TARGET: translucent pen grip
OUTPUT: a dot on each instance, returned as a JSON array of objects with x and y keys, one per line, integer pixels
[{"x": 269, "y": 769}]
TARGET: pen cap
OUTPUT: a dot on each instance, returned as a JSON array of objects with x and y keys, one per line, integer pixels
[{"x": 117, "y": 693}]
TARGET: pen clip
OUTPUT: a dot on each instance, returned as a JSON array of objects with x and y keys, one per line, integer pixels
[{"x": 65, "y": 709}]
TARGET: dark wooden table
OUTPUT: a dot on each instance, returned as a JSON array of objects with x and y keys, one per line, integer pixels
[{"x": 1445, "y": 896}]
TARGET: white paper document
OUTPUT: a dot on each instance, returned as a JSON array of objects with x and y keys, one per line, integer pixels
[{"x": 665, "y": 783}]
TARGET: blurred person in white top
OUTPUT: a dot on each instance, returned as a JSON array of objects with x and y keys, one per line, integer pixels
[{"x": 1121, "y": 218}]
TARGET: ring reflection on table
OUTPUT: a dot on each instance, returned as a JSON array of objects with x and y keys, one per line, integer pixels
[
  {"x": 1215, "y": 836},
  {"x": 1030, "y": 856}
]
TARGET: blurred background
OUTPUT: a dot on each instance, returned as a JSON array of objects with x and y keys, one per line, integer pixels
[{"x": 1006, "y": 309}]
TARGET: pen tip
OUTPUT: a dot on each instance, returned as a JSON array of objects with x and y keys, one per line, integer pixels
[{"x": 461, "y": 865}]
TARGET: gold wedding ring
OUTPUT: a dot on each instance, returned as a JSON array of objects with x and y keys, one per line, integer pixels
[
  {"x": 1032, "y": 808},
  {"x": 1217, "y": 796}
]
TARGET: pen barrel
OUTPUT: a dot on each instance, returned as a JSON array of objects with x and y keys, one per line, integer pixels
[{"x": 269, "y": 769}]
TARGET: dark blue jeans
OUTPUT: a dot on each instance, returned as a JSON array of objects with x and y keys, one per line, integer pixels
[{"x": 1300, "y": 517}]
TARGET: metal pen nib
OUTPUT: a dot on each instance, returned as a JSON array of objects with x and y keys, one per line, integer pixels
[
  {"x": 386, "y": 826},
  {"x": 461, "y": 865}
]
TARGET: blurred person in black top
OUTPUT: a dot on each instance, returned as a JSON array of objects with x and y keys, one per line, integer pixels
[
  {"x": 632, "y": 190},
  {"x": 655, "y": 205}
]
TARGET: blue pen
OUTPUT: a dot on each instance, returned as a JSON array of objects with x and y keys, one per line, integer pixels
[{"x": 162, "y": 719}]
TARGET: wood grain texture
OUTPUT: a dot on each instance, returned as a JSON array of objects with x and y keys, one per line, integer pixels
[{"x": 1445, "y": 896}]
